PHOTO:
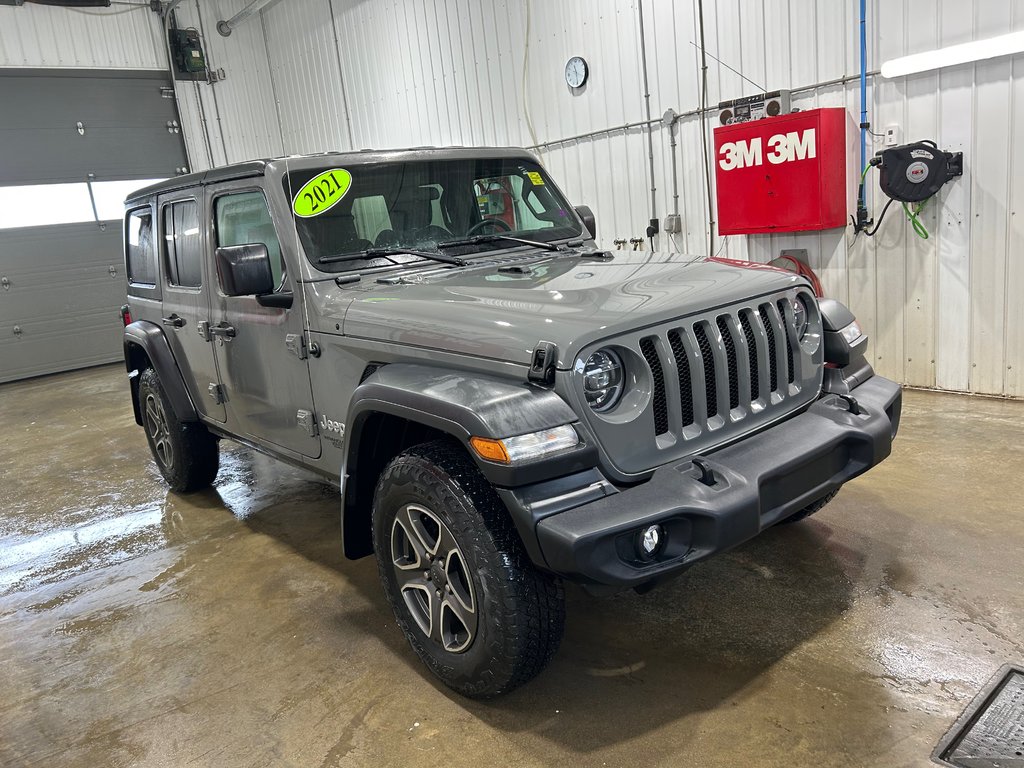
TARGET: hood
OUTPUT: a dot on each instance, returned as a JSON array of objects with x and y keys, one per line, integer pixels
[{"x": 489, "y": 311}]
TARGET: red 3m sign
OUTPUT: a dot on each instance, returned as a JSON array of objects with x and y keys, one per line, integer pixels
[
  {"x": 786, "y": 174},
  {"x": 782, "y": 148}
]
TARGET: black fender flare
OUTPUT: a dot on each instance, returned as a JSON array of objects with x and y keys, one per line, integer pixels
[
  {"x": 150, "y": 338},
  {"x": 461, "y": 404}
]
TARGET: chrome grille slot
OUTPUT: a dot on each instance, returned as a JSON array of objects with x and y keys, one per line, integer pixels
[
  {"x": 675, "y": 340},
  {"x": 650, "y": 353},
  {"x": 731, "y": 362},
  {"x": 708, "y": 356},
  {"x": 752, "y": 353},
  {"x": 789, "y": 342},
  {"x": 769, "y": 329}
]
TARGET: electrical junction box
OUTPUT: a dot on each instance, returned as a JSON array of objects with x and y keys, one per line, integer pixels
[
  {"x": 188, "y": 51},
  {"x": 790, "y": 173}
]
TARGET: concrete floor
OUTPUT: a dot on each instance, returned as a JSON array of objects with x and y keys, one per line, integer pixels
[{"x": 138, "y": 627}]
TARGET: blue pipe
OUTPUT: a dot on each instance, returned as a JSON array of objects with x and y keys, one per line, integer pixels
[{"x": 863, "y": 96}]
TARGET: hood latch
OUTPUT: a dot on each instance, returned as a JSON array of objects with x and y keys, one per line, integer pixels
[{"x": 543, "y": 363}]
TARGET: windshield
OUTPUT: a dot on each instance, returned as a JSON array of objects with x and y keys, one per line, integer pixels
[{"x": 341, "y": 209}]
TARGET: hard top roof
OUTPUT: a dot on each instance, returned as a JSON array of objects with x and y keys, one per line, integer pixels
[{"x": 252, "y": 168}]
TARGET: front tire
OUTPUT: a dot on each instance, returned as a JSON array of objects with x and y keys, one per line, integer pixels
[
  {"x": 186, "y": 454},
  {"x": 464, "y": 592}
]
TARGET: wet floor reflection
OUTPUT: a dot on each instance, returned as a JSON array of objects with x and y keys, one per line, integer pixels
[{"x": 139, "y": 627}]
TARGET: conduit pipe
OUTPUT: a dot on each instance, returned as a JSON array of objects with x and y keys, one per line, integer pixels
[
  {"x": 652, "y": 230},
  {"x": 689, "y": 113},
  {"x": 225, "y": 26},
  {"x": 863, "y": 99}
]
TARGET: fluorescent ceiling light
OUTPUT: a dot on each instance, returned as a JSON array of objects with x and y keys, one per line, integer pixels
[{"x": 1004, "y": 45}]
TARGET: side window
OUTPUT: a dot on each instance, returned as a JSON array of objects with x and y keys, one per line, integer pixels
[
  {"x": 244, "y": 219},
  {"x": 139, "y": 247},
  {"x": 181, "y": 245}
]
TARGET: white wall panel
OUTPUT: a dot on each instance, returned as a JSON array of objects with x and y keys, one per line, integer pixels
[
  {"x": 1013, "y": 322},
  {"x": 43, "y": 36},
  {"x": 303, "y": 51},
  {"x": 233, "y": 119},
  {"x": 316, "y": 75}
]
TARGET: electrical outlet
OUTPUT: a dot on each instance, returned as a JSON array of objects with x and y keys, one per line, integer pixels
[{"x": 892, "y": 135}]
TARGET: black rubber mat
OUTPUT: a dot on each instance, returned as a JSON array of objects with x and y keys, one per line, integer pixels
[{"x": 990, "y": 732}]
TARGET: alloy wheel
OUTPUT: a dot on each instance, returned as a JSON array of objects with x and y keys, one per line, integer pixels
[
  {"x": 433, "y": 578},
  {"x": 159, "y": 432}
]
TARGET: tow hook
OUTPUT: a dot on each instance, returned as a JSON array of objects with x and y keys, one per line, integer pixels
[
  {"x": 854, "y": 406},
  {"x": 707, "y": 474}
]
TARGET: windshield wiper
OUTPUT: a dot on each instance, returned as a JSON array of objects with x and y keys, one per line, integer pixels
[
  {"x": 375, "y": 253},
  {"x": 499, "y": 238}
]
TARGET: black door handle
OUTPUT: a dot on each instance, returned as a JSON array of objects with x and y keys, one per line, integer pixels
[
  {"x": 223, "y": 329},
  {"x": 174, "y": 321}
]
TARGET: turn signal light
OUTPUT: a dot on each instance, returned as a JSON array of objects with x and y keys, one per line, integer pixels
[
  {"x": 492, "y": 450},
  {"x": 535, "y": 445}
]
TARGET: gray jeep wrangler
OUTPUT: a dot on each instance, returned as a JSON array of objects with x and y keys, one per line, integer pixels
[{"x": 504, "y": 405}]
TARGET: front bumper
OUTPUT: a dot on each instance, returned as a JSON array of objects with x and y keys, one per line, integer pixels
[{"x": 756, "y": 483}]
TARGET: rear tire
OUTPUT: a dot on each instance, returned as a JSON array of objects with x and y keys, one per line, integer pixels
[
  {"x": 810, "y": 509},
  {"x": 465, "y": 594},
  {"x": 186, "y": 454}
]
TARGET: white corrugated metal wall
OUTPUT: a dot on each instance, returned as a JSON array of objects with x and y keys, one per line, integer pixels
[
  {"x": 42, "y": 36},
  {"x": 313, "y": 75}
]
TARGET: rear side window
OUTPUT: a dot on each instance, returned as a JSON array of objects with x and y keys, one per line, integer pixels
[
  {"x": 244, "y": 219},
  {"x": 181, "y": 244},
  {"x": 140, "y": 250}
]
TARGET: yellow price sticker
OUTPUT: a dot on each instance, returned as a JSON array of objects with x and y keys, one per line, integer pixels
[
  {"x": 321, "y": 193},
  {"x": 535, "y": 178}
]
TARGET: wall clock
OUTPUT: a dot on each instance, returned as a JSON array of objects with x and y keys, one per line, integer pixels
[{"x": 576, "y": 72}]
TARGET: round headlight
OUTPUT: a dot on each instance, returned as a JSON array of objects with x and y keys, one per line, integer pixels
[
  {"x": 602, "y": 380},
  {"x": 800, "y": 315}
]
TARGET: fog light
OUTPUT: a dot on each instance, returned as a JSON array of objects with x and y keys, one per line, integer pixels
[{"x": 652, "y": 538}]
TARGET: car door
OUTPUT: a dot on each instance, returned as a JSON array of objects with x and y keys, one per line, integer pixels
[
  {"x": 261, "y": 351},
  {"x": 186, "y": 300}
]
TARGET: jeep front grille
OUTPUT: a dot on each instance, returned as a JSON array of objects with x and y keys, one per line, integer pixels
[
  {"x": 713, "y": 377},
  {"x": 723, "y": 359}
]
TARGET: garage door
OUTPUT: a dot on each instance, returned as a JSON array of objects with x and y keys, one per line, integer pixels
[{"x": 75, "y": 144}]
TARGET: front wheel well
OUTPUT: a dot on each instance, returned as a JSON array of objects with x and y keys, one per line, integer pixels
[{"x": 381, "y": 437}]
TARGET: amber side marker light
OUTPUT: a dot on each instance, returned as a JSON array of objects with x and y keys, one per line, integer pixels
[{"x": 492, "y": 450}]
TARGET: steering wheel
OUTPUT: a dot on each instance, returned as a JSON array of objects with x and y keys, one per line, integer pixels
[{"x": 499, "y": 224}]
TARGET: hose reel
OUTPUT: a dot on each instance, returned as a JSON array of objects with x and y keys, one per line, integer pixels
[{"x": 914, "y": 172}]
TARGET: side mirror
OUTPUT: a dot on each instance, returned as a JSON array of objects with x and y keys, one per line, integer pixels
[
  {"x": 244, "y": 270},
  {"x": 584, "y": 212}
]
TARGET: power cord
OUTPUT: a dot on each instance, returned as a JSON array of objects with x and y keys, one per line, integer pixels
[
  {"x": 862, "y": 222},
  {"x": 871, "y": 232}
]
